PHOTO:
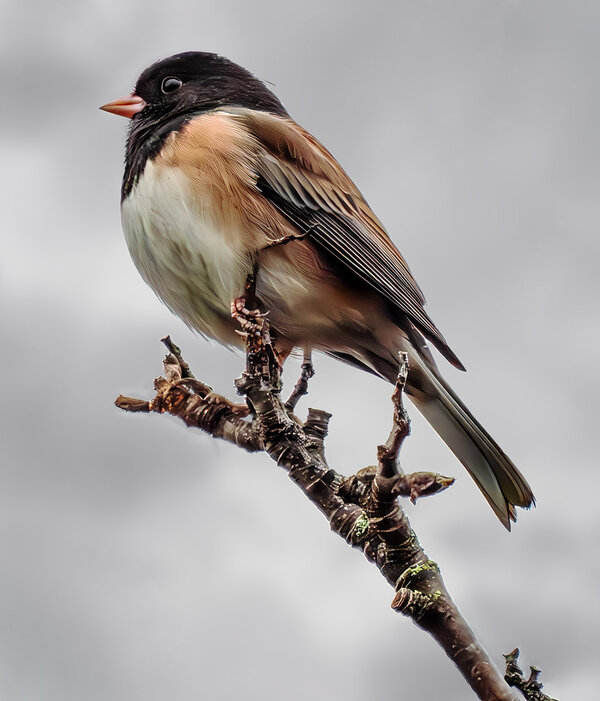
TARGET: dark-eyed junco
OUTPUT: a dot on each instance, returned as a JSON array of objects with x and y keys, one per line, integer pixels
[{"x": 221, "y": 184}]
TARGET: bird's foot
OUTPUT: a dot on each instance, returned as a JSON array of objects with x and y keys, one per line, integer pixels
[{"x": 251, "y": 320}]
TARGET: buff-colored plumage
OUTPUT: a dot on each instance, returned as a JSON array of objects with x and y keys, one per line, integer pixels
[
  {"x": 239, "y": 191},
  {"x": 195, "y": 214}
]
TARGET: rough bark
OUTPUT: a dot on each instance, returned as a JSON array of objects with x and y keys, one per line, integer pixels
[{"x": 363, "y": 509}]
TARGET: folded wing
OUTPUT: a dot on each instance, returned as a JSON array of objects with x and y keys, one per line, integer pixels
[{"x": 310, "y": 189}]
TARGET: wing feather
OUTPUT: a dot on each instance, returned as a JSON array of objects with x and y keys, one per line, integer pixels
[{"x": 310, "y": 189}]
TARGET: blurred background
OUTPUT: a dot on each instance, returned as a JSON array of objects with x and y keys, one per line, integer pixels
[{"x": 141, "y": 560}]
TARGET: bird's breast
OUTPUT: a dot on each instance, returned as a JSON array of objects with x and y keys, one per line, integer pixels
[{"x": 178, "y": 244}]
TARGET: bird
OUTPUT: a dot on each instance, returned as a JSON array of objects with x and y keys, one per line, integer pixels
[{"x": 221, "y": 185}]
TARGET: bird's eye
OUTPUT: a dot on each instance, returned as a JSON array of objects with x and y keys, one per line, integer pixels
[{"x": 170, "y": 84}]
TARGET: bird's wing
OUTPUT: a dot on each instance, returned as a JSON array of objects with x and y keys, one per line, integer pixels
[{"x": 310, "y": 189}]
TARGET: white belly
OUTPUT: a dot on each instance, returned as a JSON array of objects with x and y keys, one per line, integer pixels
[{"x": 172, "y": 235}]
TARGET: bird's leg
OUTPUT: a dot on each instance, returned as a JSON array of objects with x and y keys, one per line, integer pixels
[
  {"x": 307, "y": 363},
  {"x": 250, "y": 290},
  {"x": 245, "y": 310},
  {"x": 301, "y": 387},
  {"x": 249, "y": 319}
]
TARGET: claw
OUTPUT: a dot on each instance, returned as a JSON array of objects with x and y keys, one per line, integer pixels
[
  {"x": 238, "y": 306},
  {"x": 250, "y": 319}
]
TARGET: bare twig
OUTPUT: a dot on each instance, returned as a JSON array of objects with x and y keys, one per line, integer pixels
[
  {"x": 174, "y": 350},
  {"x": 531, "y": 688},
  {"x": 132, "y": 404},
  {"x": 387, "y": 454}
]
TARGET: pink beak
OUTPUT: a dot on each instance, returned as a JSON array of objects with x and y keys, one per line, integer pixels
[{"x": 125, "y": 106}]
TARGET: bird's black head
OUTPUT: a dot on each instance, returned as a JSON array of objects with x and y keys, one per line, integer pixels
[
  {"x": 171, "y": 92},
  {"x": 196, "y": 81}
]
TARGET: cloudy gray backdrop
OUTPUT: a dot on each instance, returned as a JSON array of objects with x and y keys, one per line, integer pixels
[{"x": 143, "y": 561}]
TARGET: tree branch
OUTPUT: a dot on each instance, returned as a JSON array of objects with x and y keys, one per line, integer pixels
[{"x": 363, "y": 508}]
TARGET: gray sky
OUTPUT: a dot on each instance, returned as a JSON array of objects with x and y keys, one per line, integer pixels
[{"x": 143, "y": 561}]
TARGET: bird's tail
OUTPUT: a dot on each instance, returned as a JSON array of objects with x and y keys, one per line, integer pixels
[{"x": 502, "y": 484}]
